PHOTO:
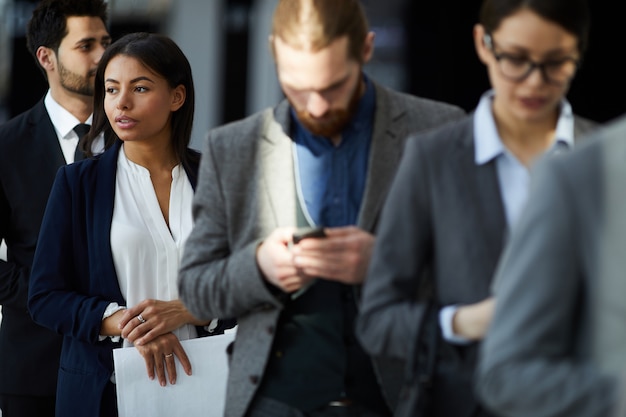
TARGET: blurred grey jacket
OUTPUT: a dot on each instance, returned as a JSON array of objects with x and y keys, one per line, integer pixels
[{"x": 557, "y": 344}]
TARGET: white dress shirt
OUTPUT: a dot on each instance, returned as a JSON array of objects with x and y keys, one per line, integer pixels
[
  {"x": 64, "y": 122},
  {"x": 146, "y": 252},
  {"x": 513, "y": 176}
]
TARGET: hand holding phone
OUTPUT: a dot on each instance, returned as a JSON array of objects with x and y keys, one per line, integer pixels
[{"x": 308, "y": 232}]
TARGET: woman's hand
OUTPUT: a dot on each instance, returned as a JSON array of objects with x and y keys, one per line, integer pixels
[
  {"x": 151, "y": 318},
  {"x": 472, "y": 321},
  {"x": 111, "y": 325},
  {"x": 160, "y": 355}
]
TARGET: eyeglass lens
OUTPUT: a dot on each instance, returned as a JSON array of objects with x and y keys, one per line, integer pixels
[{"x": 518, "y": 68}]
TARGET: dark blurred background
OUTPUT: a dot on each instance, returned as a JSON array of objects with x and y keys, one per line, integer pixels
[{"x": 422, "y": 47}]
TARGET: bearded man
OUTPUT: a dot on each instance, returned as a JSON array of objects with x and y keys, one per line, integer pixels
[
  {"x": 67, "y": 39},
  {"x": 324, "y": 157}
]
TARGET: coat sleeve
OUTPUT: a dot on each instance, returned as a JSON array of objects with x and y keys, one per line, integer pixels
[
  {"x": 528, "y": 366},
  {"x": 392, "y": 306},
  {"x": 216, "y": 278},
  {"x": 13, "y": 277},
  {"x": 58, "y": 295}
]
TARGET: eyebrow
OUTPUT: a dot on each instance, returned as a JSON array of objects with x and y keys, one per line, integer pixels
[
  {"x": 337, "y": 83},
  {"x": 92, "y": 39},
  {"x": 524, "y": 50},
  {"x": 133, "y": 81},
  {"x": 322, "y": 90}
]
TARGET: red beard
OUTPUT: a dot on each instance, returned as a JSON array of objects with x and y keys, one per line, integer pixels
[
  {"x": 329, "y": 125},
  {"x": 333, "y": 121}
]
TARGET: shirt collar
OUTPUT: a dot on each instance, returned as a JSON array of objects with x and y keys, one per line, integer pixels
[
  {"x": 62, "y": 120},
  {"x": 487, "y": 142},
  {"x": 362, "y": 119}
]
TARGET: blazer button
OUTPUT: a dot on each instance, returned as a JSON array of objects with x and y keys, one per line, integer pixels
[
  {"x": 254, "y": 379},
  {"x": 270, "y": 329}
]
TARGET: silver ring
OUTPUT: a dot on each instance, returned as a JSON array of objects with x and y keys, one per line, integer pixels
[
  {"x": 141, "y": 319},
  {"x": 169, "y": 355}
]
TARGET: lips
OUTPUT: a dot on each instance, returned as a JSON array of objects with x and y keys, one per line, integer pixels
[
  {"x": 533, "y": 102},
  {"x": 125, "y": 122}
]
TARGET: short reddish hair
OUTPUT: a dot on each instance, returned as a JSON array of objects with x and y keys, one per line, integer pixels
[{"x": 315, "y": 24}]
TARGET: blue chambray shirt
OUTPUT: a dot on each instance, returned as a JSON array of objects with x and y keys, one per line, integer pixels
[{"x": 332, "y": 178}]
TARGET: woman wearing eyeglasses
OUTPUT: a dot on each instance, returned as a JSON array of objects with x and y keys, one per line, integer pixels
[{"x": 460, "y": 189}]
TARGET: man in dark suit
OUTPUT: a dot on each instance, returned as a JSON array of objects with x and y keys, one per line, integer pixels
[
  {"x": 323, "y": 157},
  {"x": 556, "y": 346},
  {"x": 67, "y": 39}
]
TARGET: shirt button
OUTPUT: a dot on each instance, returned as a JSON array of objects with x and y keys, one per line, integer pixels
[{"x": 254, "y": 379}]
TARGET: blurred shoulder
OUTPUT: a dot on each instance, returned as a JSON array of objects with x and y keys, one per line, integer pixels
[{"x": 420, "y": 105}]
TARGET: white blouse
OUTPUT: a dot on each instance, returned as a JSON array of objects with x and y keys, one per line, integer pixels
[{"x": 147, "y": 253}]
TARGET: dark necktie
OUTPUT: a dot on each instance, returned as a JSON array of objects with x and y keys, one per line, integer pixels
[{"x": 81, "y": 130}]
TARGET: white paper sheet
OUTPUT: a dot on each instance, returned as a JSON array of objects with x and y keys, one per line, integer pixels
[{"x": 201, "y": 394}]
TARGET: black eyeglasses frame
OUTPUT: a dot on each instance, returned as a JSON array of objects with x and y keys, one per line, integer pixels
[{"x": 541, "y": 66}]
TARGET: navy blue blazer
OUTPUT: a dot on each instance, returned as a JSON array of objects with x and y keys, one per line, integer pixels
[{"x": 73, "y": 279}]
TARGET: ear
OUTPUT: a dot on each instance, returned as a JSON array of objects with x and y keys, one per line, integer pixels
[
  {"x": 46, "y": 58},
  {"x": 179, "y": 94},
  {"x": 368, "y": 47},
  {"x": 484, "y": 54}
]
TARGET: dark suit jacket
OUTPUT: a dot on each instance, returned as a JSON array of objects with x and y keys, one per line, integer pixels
[
  {"x": 443, "y": 220},
  {"x": 30, "y": 156},
  {"x": 73, "y": 278}
]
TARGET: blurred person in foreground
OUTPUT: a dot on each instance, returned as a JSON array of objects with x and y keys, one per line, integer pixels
[
  {"x": 556, "y": 346},
  {"x": 459, "y": 191},
  {"x": 67, "y": 39},
  {"x": 323, "y": 157}
]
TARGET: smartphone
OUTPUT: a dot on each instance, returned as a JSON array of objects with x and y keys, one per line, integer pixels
[{"x": 308, "y": 232}]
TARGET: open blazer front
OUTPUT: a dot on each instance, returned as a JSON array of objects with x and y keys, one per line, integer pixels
[
  {"x": 247, "y": 188},
  {"x": 74, "y": 280}
]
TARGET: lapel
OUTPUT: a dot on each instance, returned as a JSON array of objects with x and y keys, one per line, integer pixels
[
  {"x": 276, "y": 165},
  {"x": 103, "y": 201},
  {"x": 480, "y": 193},
  {"x": 46, "y": 139},
  {"x": 385, "y": 152},
  {"x": 581, "y": 127}
]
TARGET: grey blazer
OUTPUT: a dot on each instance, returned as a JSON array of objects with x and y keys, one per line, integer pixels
[
  {"x": 558, "y": 340},
  {"x": 246, "y": 189},
  {"x": 443, "y": 222}
]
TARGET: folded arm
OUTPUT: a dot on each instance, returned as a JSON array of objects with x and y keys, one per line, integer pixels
[{"x": 58, "y": 298}]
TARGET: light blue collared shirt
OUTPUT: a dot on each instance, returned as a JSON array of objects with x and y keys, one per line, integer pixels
[{"x": 513, "y": 176}]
